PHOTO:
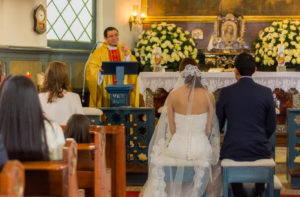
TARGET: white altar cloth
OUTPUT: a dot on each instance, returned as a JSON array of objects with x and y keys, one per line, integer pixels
[{"x": 214, "y": 81}]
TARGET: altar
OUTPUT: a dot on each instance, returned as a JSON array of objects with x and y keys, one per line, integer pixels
[
  {"x": 285, "y": 87},
  {"x": 215, "y": 81}
]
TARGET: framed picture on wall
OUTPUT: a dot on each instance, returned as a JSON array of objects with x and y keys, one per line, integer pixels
[{"x": 208, "y": 10}]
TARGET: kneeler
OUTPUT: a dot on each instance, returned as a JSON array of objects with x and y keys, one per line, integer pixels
[
  {"x": 188, "y": 174},
  {"x": 259, "y": 171}
]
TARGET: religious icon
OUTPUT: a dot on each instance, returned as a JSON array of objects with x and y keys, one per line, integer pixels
[
  {"x": 197, "y": 34},
  {"x": 229, "y": 32}
]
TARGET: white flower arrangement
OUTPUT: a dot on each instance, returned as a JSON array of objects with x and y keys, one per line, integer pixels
[
  {"x": 284, "y": 32},
  {"x": 175, "y": 44}
]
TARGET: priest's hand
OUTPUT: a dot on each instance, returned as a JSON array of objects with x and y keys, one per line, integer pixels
[
  {"x": 125, "y": 50},
  {"x": 100, "y": 69}
]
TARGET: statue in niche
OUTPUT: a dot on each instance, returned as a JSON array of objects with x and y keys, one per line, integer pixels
[{"x": 229, "y": 31}]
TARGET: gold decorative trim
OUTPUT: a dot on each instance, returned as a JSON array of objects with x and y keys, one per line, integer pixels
[
  {"x": 297, "y": 120},
  {"x": 150, "y": 19}
]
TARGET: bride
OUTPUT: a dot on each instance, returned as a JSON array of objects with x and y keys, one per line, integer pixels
[{"x": 184, "y": 149}]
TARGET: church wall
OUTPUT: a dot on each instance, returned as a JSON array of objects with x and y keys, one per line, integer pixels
[{"x": 16, "y": 23}]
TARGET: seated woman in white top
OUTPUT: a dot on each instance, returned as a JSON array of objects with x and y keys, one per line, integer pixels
[
  {"x": 57, "y": 100},
  {"x": 27, "y": 135}
]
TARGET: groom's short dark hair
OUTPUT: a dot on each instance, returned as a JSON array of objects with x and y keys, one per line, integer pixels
[{"x": 245, "y": 64}]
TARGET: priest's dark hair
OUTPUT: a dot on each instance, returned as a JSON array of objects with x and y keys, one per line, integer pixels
[
  {"x": 78, "y": 128},
  {"x": 22, "y": 120},
  {"x": 245, "y": 64},
  {"x": 109, "y": 29}
]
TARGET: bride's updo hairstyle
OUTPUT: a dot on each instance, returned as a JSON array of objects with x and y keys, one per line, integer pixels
[
  {"x": 192, "y": 76},
  {"x": 186, "y": 61}
]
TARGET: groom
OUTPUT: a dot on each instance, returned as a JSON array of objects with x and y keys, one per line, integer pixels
[{"x": 249, "y": 111}]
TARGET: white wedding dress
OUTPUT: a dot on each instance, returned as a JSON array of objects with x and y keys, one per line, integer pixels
[
  {"x": 184, "y": 164},
  {"x": 190, "y": 143}
]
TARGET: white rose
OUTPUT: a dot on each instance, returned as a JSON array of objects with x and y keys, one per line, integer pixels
[
  {"x": 154, "y": 33},
  {"x": 183, "y": 39},
  {"x": 257, "y": 59},
  {"x": 286, "y": 44},
  {"x": 163, "y": 45},
  {"x": 270, "y": 53},
  {"x": 163, "y": 37},
  {"x": 270, "y": 45},
  {"x": 163, "y": 23},
  {"x": 186, "y": 53},
  {"x": 137, "y": 54},
  {"x": 286, "y": 51},
  {"x": 166, "y": 51},
  {"x": 298, "y": 38},
  {"x": 274, "y": 23},
  {"x": 164, "y": 32},
  {"x": 265, "y": 62},
  {"x": 170, "y": 28},
  {"x": 257, "y": 45},
  {"x": 282, "y": 39},
  {"x": 288, "y": 58},
  {"x": 173, "y": 25},
  {"x": 271, "y": 62},
  {"x": 275, "y": 35},
  {"x": 274, "y": 54},
  {"x": 143, "y": 62},
  {"x": 294, "y": 61},
  {"x": 271, "y": 29},
  {"x": 175, "y": 35},
  {"x": 187, "y": 32},
  {"x": 140, "y": 36},
  {"x": 154, "y": 25},
  {"x": 284, "y": 32},
  {"x": 297, "y": 22},
  {"x": 159, "y": 28},
  {"x": 194, "y": 56},
  {"x": 298, "y": 60},
  {"x": 292, "y": 27},
  {"x": 285, "y": 21},
  {"x": 284, "y": 26},
  {"x": 148, "y": 48},
  {"x": 293, "y": 43},
  {"x": 149, "y": 55},
  {"x": 266, "y": 29},
  {"x": 172, "y": 60}
]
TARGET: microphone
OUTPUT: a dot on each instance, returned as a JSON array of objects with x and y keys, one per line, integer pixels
[{"x": 84, "y": 71}]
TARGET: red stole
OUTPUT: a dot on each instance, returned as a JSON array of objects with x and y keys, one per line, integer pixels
[{"x": 114, "y": 56}]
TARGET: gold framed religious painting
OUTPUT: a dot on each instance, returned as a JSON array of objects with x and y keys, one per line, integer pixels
[{"x": 208, "y": 10}]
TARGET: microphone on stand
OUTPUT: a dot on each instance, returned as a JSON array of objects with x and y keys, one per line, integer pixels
[{"x": 84, "y": 71}]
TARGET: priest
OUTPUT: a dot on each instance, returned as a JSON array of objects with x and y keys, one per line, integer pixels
[{"x": 110, "y": 50}]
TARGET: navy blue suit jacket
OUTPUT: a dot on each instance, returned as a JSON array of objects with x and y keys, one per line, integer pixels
[{"x": 249, "y": 111}]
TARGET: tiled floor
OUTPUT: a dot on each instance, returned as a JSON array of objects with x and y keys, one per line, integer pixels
[{"x": 280, "y": 171}]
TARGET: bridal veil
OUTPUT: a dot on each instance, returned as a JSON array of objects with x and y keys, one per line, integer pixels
[{"x": 185, "y": 174}]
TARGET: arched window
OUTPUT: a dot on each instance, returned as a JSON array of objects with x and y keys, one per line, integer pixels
[{"x": 71, "y": 23}]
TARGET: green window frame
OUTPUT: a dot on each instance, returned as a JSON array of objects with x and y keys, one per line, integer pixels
[{"x": 71, "y": 24}]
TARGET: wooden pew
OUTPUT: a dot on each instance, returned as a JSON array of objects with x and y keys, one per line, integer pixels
[
  {"x": 115, "y": 151},
  {"x": 54, "y": 178},
  {"x": 12, "y": 179},
  {"x": 92, "y": 173}
]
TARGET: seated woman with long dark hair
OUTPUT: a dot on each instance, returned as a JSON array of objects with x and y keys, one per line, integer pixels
[{"x": 27, "y": 135}]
